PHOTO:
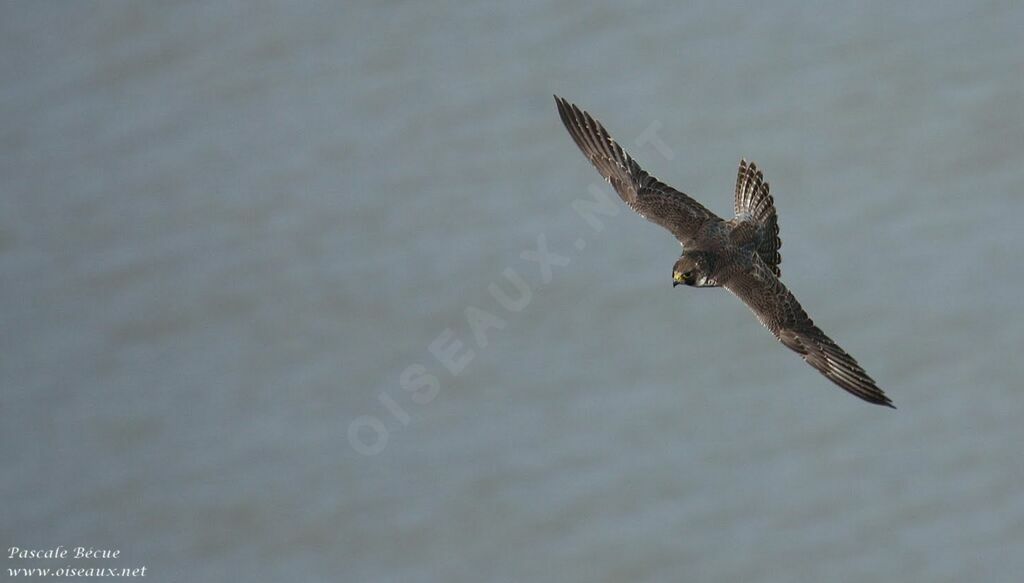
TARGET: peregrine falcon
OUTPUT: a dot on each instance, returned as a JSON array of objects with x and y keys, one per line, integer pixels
[{"x": 740, "y": 254}]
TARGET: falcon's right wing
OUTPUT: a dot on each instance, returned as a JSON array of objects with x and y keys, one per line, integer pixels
[{"x": 645, "y": 194}]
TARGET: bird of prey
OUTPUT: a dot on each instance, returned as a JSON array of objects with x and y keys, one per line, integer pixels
[{"x": 740, "y": 254}]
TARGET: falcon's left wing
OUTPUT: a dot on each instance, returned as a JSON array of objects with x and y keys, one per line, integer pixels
[{"x": 780, "y": 312}]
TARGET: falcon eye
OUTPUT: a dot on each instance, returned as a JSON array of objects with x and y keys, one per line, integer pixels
[{"x": 687, "y": 274}]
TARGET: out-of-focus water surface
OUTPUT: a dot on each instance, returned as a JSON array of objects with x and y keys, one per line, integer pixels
[{"x": 230, "y": 235}]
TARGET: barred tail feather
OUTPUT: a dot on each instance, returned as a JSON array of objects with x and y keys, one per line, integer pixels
[{"x": 754, "y": 203}]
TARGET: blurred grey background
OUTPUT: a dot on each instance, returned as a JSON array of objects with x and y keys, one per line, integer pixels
[{"x": 228, "y": 230}]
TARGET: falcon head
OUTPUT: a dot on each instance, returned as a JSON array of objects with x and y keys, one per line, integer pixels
[{"x": 693, "y": 268}]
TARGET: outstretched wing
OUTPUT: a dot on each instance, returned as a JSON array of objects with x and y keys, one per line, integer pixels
[
  {"x": 779, "y": 311},
  {"x": 645, "y": 194},
  {"x": 755, "y": 204}
]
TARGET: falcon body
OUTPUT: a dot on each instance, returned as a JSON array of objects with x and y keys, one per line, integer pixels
[{"x": 739, "y": 254}]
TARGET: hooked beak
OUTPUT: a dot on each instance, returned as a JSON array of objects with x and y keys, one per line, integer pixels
[{"x": 676, "y": 282}]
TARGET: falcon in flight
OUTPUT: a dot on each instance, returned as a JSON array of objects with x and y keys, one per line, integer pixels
[{"x": 740, "y": 254}]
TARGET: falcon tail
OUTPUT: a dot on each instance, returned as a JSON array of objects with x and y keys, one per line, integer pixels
[{"x": 754, "y": 203}]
